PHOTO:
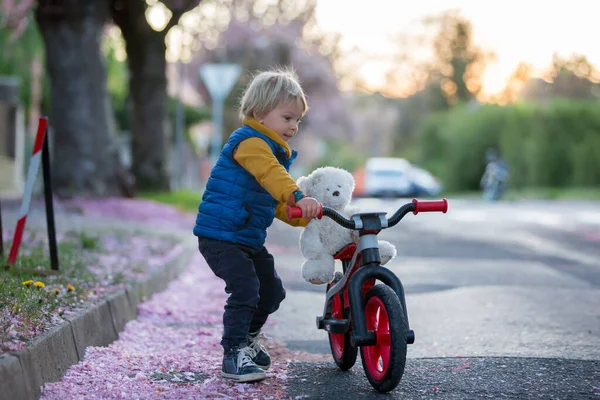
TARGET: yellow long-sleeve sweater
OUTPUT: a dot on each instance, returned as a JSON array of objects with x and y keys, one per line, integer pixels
[{"x": 256, "y": 157}]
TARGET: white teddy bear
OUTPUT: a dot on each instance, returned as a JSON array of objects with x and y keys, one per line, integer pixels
[{"x": 323, "y": 238}]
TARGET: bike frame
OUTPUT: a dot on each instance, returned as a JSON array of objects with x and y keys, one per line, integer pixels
[{"x": 356, "y": 275}]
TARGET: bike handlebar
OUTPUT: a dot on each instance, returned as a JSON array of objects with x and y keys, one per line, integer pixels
[
  {"x": 415, "y": 206},
  {"x": 430, "y": 206}
]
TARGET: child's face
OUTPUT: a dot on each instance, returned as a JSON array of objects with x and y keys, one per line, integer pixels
[{"x": 284, "y": 119}]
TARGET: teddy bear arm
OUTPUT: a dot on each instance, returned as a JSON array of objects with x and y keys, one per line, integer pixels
[
  {"x": 311, "y": 245},
  {"x": 387, "y": 251}
]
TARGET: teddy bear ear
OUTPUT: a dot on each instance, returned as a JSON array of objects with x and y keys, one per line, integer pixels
[{"x": 318, "y": 173}]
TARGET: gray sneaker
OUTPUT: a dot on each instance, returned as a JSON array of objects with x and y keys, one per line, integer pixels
[
  {"x": 260, "y": 357},
  {"x": 238, "y": 366}
]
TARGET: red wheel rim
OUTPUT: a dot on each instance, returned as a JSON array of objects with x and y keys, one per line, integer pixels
[
  {"x": 377, "y": 357},
  {"x": 337, "y": 339}
]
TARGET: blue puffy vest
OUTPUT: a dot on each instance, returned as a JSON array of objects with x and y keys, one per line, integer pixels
[{"x": 235, "y": 207}]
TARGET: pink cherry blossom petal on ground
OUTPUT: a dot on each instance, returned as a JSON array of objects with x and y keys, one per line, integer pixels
[
  {"x": 135, "y": 210},
  {"x": 176, "y": 335}
]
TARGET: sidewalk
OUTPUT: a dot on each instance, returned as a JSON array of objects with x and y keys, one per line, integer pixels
[
  {"x": 49, "y": 356},
  {"x": 51, "y": 353},
  {"x": 172, "y": 350}
]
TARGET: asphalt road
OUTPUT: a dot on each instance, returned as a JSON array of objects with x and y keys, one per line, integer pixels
[{"x": 504, "y": 299}]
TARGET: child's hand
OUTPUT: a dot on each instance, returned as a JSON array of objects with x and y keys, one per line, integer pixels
[{"x": 311, "y": 208}]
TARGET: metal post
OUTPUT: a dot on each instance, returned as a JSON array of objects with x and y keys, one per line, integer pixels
[
  {"x": 179, "y": 116},
  {"x": 217, "y": 120},
  {"x": 178, "y": 142},
  {"x": 49, "y": 204}
]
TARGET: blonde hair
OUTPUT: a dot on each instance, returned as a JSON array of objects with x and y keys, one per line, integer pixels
[{"x": 268, "y": 89}]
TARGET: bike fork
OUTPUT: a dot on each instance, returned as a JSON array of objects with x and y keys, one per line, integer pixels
[{"x": 371, "y": 270}]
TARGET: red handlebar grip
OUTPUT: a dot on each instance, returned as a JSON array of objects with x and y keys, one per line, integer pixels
[
  {"x": 430, "y": 206},
  {"x": 296, "y": 212},
  {"x": 293, "y": 212}
]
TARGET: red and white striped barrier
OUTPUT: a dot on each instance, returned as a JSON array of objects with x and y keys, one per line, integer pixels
[{"x": 34, "y": 167}]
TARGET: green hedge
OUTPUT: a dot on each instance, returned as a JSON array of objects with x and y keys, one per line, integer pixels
[{"x": 554, "y": 144}]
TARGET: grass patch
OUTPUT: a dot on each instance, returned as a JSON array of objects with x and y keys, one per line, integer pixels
[
  {"x": 184, "y": 200},
  {"x": 93, "y": 264},
  {"x": 29, "y": 300}
]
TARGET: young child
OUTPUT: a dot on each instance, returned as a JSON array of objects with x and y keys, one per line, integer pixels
[{"x": 248, "y": 187}]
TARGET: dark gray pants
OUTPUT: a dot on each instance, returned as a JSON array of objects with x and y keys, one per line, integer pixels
[{"x": 255, "y": 290}]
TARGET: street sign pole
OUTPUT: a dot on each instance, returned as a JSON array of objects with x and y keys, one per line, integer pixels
[
  {"x": 179, "y": 116},
  {"x": 217, "y": 121},
  {"x": 219, "y": 79}
]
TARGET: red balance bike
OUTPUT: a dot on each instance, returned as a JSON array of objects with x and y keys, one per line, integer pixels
[{"x": 359, "y": 313}]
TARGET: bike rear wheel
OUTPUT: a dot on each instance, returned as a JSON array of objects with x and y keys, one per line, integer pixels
[
  {"x": 344, "y": 354},
  {"x": 385, "y": 361}
]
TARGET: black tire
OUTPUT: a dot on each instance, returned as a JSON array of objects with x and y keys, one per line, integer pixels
[
  {"x": 342, "y": 351},
  {"x": 384, "y": 364}
]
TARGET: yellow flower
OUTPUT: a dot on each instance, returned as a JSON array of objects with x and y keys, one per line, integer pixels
[
  {"x": 70, "y": 287},
  {"x": 27, "y": 283},
  {"x": 57, "y": 291},
  {"x": 38, "y": 284}
]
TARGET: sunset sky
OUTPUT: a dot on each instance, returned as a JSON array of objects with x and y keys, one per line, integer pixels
[{"x": 525, "y": 30}]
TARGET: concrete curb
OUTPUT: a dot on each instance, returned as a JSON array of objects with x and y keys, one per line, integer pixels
[{"x": 49, "y": 356}]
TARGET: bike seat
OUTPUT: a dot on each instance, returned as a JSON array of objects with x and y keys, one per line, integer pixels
[{"x": 346, "y": 253}]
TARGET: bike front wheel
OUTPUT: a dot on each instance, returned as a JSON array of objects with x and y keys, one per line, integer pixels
[{"x": 384, "y": 362}]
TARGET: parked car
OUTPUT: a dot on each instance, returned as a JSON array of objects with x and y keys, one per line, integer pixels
[
  {"x": 424, "y": 183},
  {"x": 387, "y": 177},
  {"x": 397, "y": 177}
]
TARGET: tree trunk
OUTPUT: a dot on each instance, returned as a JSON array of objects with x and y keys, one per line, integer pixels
[
  {"x": 148, "y": 90},
  {"x": 148, "y": 85},
  {"x": 85, "y": 158}
]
